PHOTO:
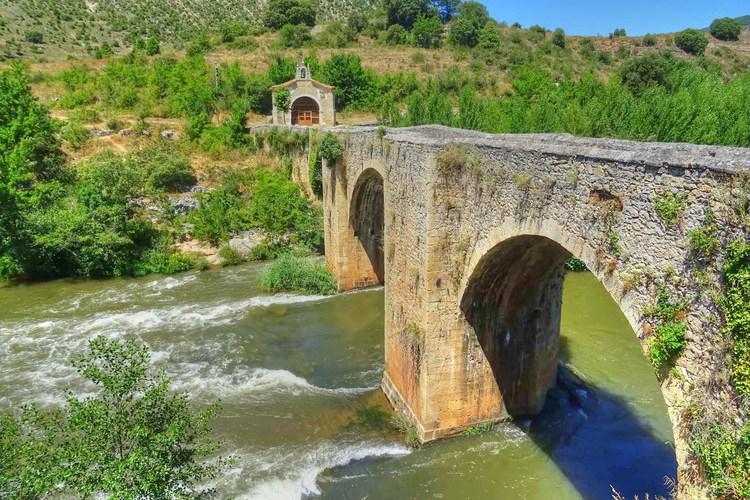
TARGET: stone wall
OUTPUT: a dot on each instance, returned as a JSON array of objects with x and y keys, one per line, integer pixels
[{"x": 476, "y": 223}]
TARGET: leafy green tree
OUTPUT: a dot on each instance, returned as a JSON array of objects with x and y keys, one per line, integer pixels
[
  {"x": 281, "y": 70},
  {"x": 640, "y": 73},
  {"x": 619, "y": 33},
  {"x": 354, "y": 85},
  {"x": 283, "y": 101},
  {"x": 133, "y": 439},
  {"x": 691, "y": 41},
  {"x": 726, "y": 28},
  {"x": 357, "y": 21},
  {"x": 558, "y": 38},
  {"x": 405, "y": 12},
  {"x": 427, "y": 32},
  {"x": 475, "y": 11},
  {"x": 463, "y": 32},
  {"x": 35, "y": 37},
  {"x": 281, "y": 12},
  {"x": 32, "y": 165},
  {"x": 489, "y": 37}
]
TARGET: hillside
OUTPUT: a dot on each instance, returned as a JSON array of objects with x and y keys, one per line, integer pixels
[
  {"x": 77, "y": 27},
  {"x": 744, "y": 20}
]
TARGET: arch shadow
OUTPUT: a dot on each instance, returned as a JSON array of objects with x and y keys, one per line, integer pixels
[{"x": 367, "y": 219}]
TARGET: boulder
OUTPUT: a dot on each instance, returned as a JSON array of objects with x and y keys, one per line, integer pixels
[{"x": 244, "y": 242}]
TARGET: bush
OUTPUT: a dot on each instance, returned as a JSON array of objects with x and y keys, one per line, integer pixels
[
  {"x": 133, "y": 436},
  {"x": 726, "y": 28},
  {"x": 354, "y": 85},
  {"x": 164, "y": 261},
  {"x": 692, "y": 41},
  {"x": 619, "y": 33},
  {"x": 464, "y": 32},
  {"x": 295, "y": 274},
  {"x": 668, "y": 336},
  {"x": 294, "y": 35},
  {"x": 330, "y": 149},
  {"x": 489, "y": 38},
  {"x": 558, "y": 38},
  {"x": 649, "y": 40},
  {"x": 575, "y": 265},
  {"x": 75, "y": 134},
  {"x": 230, "y": 256},
  {"x": 640, "y": 73},
  {"x": 281, "y": 12},
  {"x": 396, "y": 35},
  {"x": 428, "y": 32},
  {"x": 703, "y": 241},
  {"x": 165, "y": 168},
  {"x": 405, "y": 12},
  {"x": 35, "y": 37},
  {"x": 670, "y": 206}
]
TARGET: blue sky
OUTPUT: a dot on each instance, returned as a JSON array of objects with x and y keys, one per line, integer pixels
[{"x": 638, "y": 17}]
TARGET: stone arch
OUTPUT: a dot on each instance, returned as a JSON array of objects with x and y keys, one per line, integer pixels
[
  {"x": 367, "y": 220},
  {"x": 305, "y": 111},
  {"x": 511, "y": 298}
]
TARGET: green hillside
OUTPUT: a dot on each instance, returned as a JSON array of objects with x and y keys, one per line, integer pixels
[
  {"x": 80, "y": 26},
  {"x": 744, "y": 20}
]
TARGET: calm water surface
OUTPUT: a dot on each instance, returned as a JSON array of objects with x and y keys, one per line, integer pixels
[{"x": 296, "y": 375}]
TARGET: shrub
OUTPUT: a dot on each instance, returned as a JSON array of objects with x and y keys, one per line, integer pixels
[
  {"x": 464, "y": 32},
  {"x": 703, "y": 241},
  {"x": 152, "y": 47},
  {"x": 35, "y": 37},
  {"x": 619, "y": 33},
  {"x": 295, "y": 274},
  {"x": 133, "y": 436},
  {"x": 75, "y": 134},
  {"x": 489, "y": 38},
  {"x": 230, "y": 256},
  {"x": 396, "y": 35},
  {"x": 726, "y": 28},
  {"x": 405, "y": 12},
  {"x": 165, "y": 168},
  {"x": 428, "y": 32},
  {"x": 294, "y": 35},
  {"x": 668, "y": 337},
  {"x": 692, "y": 41},
  {"x": 330, "y": 149},
  {"x": 281, "y": 12},
  {"x": 736, "y": 308},
  {"x": 163, "y": 261},
  {"x": 649, "y": 40},
  {"x": 354, "y": 85},
  {"x": 575, "y": 265},
  {"x": 558, "y": 38},
  {"x": 640, "y": 73},
  {"x": 670, "y": 206}
]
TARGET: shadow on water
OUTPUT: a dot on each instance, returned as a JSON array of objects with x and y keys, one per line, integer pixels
[{"x": 598, "y": 442}]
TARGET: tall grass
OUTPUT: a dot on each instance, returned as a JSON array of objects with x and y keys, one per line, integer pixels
[{"x": 289, "y": 273}]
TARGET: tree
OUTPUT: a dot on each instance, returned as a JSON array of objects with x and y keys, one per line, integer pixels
[
  {"x": 405, "y": 12},
  {"x": 463, "y": 32},
  {"x": 427, "y": 32},
  {"x": 619, "y": 33},
  {"x": 558, "y": 38},
  {"x": 640, "y": 73},
  {"x": 354, "y": 85},
  {"x": 726, "y": 28},
  {"x": 291, "y": 35},
  {"x": 281, "y": 70},
  {"x": 489, "y": 37},
  {"x": 692, "y": 41},
  {"x": 35, "y": 37},
  {"x": 32, "y": 165},
  {"x": 447, "y": 9},
  {"x": 281, "y": 12},
  {"x": 475, "y": 11},
  {"x": 283, "y": 102},
  {"x": 133, "y": 439}
]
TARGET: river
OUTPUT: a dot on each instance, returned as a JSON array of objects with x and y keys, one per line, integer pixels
[{"x": 298, "y": 377}]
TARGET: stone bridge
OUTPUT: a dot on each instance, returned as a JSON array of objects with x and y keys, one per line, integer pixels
[{"x": 469, "y": 233}]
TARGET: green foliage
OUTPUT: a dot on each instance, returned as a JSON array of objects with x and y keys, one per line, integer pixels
[
  {"x": 295, "y": 274},
  {"x": 330, "y": 149},
  {"x": 668, "y": 337},
  {"x": 75, "y": 134},
  {"x": 294, "y": 35},
  {"x": 649, "y": 40},
  {"x": 575, "y": 265},
  {"x": 428, "y": 32},
  {"x": 736, "y": 307},
  {"x": 703, "y": 240},
  {"x": 229, "y": 256},
  {"x": 558, "y": 38},
  {"x": 640, "y": 73},
  {"x": 614, "y": 243},
  {"x": 164, "y": 261},
  {"x": 396, "y": 35},
  {"x": 723, "y": 450},
  {"x": 134, "y": 438},
  {"x": 670, "y": 206},
  {"x": 281, "y": 70},
  {"x": 476, "y": 430},
  {"x": 165, "y": 167},
  {"x": 726, "y": 28},
  {"x": 692, "y": 41},
  {"x": 281, "y": 12},
  {"x": 463, "y": 32},
  {"x": 489, "y": 38},
  {"x": 405, "y": 12},
  {"x": 152, "y": 46},
  {"x": 353, "y": 85},
  {"x": 619, "y": 33},
  {"x": 315, "y": 169},
  {"x": 36, "y": 37}
]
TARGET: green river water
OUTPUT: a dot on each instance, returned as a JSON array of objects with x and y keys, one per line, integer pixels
[{"x": 295, "y": 375}]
